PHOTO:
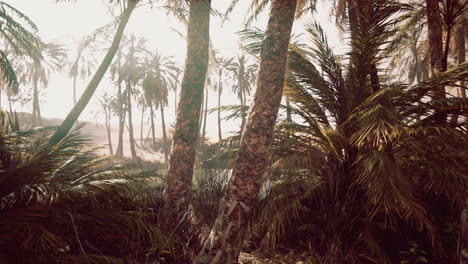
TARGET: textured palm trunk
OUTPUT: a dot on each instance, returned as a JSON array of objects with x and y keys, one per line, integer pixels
[
  {"x": 226, "y": 238},
  {"x": 166, "y": 151},
  {"x": 436, "y": 52},
  {"x": 130, "y": 123},
  {"x": 181, "y": 162},
  {"x": 72, "y": 117},
  {"x": 220, "y": 91},
  {"x": 119, "y": 151}
]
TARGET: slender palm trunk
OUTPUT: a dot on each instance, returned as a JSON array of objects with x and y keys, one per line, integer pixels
[
  {"x": 74, "y": 89},
  {"x": 141, "y": 124},
  {"x": 243, "y": 103},
  {"x": 165, "y": 145},
  {"x": 205, "y": 115},
  {"x": 121, "y": 112},
  {"x": 175, "y": 100},
  {"x": 108, "y": 129},
  {"x": 220, "y": 91},
  {"x": 436, "y": 52},
  {"x": 225, "y": 241},
  {"x": 36, "y": 107},
  {"x": 179, "y": 177},
  {"x": 130, "y": 122},
  {"x": 200, "y": 123},
  {"x": 153, "y": 132},
  {"x": 72, "y": 117}
]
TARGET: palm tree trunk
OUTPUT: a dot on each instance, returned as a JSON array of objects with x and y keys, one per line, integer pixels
[
  {"x": 225, "y": 240},
  {"x": 141, "y": 124},
  {"x": 205, "y": 115},
  {"x": 74, "y": 89},
  {"x": 436, "y": 52},
  {"x": 67, "y": 124},
  {"x": 200, "y": 123},
  {"x": 108, "y": 129},
  {"x": 165, "y": 145},
  {"x": 36, "y": 108},
  {"x": 175, "y": 100},
  {"x": 243, "y": 103},
  {"x": 119, "y": 151},
  {"x": 130, "y": 122},
  {"x": 220, "y": 90},
  {"x": 153, "y": 132},
  {"x": 179, "y": 176}
]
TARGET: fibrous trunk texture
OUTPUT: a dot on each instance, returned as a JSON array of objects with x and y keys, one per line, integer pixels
[
  {"x": 182, "y": 158},
  {"x": 225, "y": 240}
]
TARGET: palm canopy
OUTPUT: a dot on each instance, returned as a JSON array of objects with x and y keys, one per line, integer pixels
[
  {"x": 20, "y": 35},
  {"x": 160, "y": 76},
  {"x": 53, "y": 58},
  {"x": 243, "y": 74}
]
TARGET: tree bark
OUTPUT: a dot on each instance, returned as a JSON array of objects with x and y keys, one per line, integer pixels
[
  {"x": 225, "y": 240},
  {"x": 71, "y": 118},
  {"x": 119, "y": 151},
  {"x": 166, "y": 151},
  {"x": 179, "y": 177},
  {"x": 436, "y": 52},
  {"x": 243, "y": 103},
  {"x": 130, "y": 122},
  {"x": 36, "y": 113},
  {"x": 220, "y": 91}
]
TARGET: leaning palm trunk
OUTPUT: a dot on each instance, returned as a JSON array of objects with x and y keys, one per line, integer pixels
[
  {"x": 225, "y": 241},
  {"x": 72, "y": 117},
  {"x": 179, "y": 177}
]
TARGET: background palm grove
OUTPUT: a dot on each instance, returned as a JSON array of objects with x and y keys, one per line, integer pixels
[{"x": 289, "y": 149}]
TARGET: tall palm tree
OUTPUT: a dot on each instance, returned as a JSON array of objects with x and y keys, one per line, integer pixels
[
  {"x": 222, "y": 64},
  {"x": 226, "y": 238},
  {"x": 161, "y": 74},
  {"x": 19, "y": 34},
  {"x": 71, "y": 118},
  {"x": 244, "y": 75},
  {"x": 37, "y": 72},
  {"x": 106, "y": 103},
  {"x": 84, "y": 61},
  {"x": 132, "y": 72},
  {"x": 180, "y": 174}
]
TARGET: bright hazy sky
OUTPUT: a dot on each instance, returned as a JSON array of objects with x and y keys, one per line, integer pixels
[{"x": 69, "y": 22}]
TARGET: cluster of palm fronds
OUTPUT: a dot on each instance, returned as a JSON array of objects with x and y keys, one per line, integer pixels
[
  {"x": 64, "y": 204},
  {"x": 362, "y": 169}
]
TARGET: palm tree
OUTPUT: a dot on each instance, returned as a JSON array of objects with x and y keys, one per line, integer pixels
[
  {"x": 71, "y": 118},
  {"x": 244, "y": 75},
  {"x": 222, "y": 64},
  {"x": 37, "y": 72},
  {"x": 106, "y": 103},
  {"x": 161, "y": 74},
  {"x": 84, "y": 62},
  {"x": 226, "y": 238},
  {"x": 19, "y": 33},
  {"x": 70, "y": 205},
  {"x": 179, "y": 176}
]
